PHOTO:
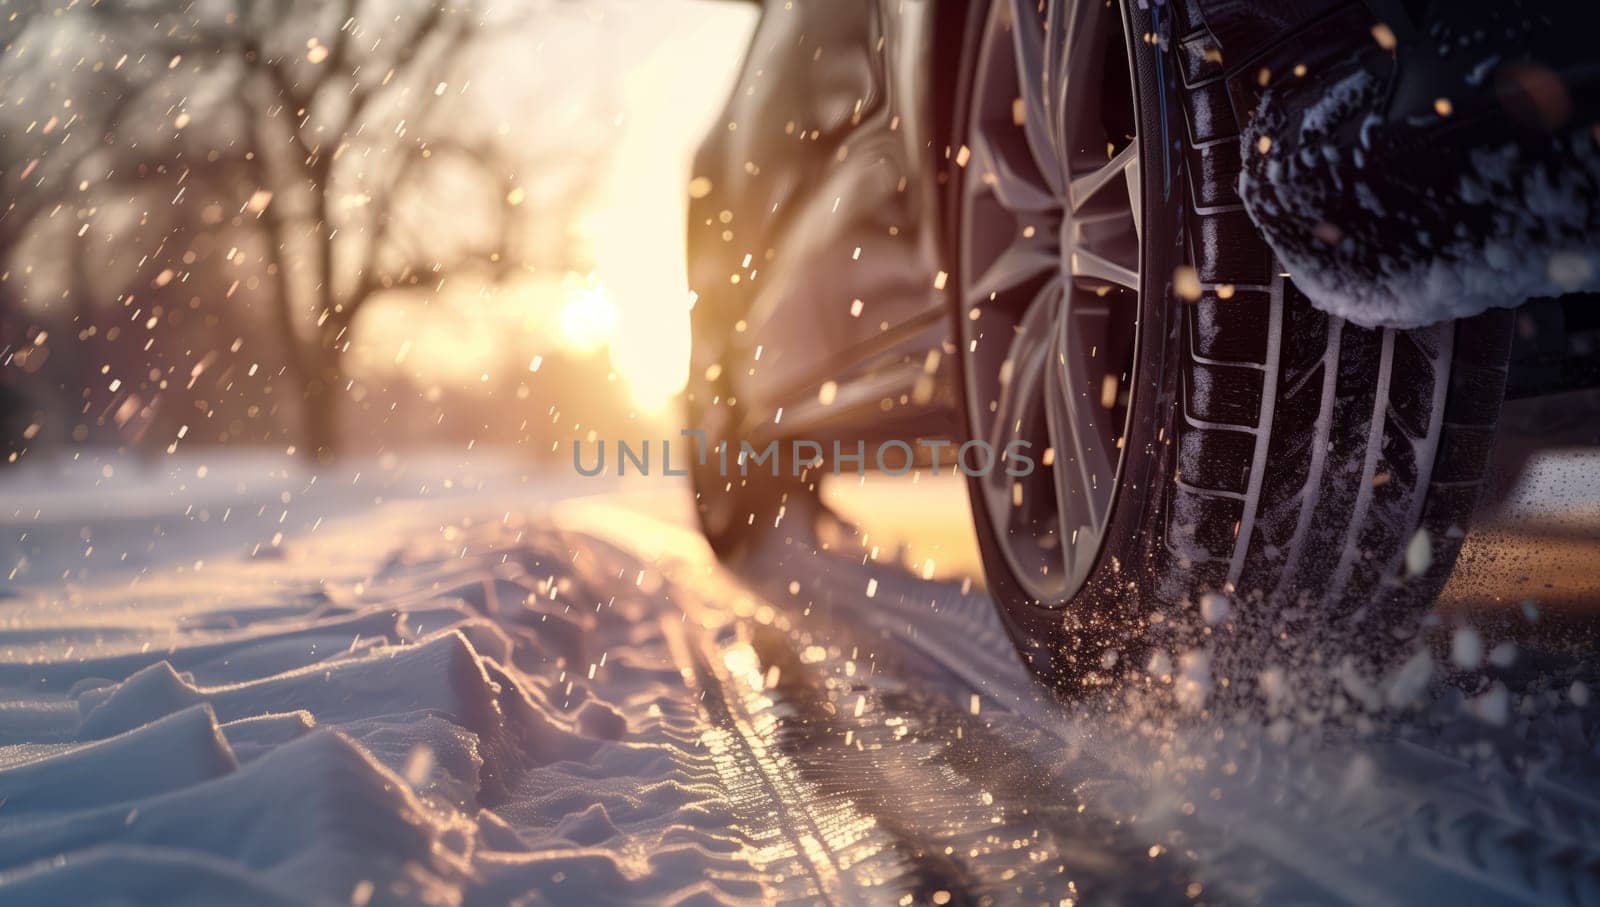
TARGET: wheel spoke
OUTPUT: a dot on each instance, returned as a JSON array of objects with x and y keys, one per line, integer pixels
[
  {"x": 1014, "y": 188},
  {"x": 1083, "y": 376},
  {"x": 1094, "y": 266},
  {"x": 1122, "y": 170},
  {"x": 1135, "y": 195},
  {"x": 1024, "y": 260},
  {"x": 1085, "y": 474},
  {"x": 1026, "y": 367},
  {"x": 1029, "y": 38},
  {"x": 1079, "y": 85},
  {"x": 1073, "y": 511},
  {"x": 1057, "y": 20}
]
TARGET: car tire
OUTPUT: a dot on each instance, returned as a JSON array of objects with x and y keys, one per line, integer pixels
[
  {"x": 730, "y": 505},
  {"x": 1286, "y": 480}
]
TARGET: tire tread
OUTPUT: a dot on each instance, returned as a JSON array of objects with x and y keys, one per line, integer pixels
[{"x": 1371, "y": 435}]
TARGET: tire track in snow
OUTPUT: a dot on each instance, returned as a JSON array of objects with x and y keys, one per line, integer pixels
[
  {"x": 828, "y": 745},
  {"x": 1342, "y": 820},
  {"x": 848, "y": 849},
  {"x": 758, "y": 781}
]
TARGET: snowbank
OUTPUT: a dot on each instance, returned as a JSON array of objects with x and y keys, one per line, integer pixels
[{"x": 436, "y": 726}]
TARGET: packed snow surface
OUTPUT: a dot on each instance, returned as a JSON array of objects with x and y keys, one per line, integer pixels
[{"x": 498, "y": 699}]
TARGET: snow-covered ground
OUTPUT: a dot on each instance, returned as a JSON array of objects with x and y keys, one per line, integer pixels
[{"x": 518, "y": 689}]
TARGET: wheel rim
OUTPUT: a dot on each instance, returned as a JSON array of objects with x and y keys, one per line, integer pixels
[{"x": 1050, "y": 247}]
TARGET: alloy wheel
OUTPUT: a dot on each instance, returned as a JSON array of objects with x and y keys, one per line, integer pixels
[{"x": 1050, "y": 245}]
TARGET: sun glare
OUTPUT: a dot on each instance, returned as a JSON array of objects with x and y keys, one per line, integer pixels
[
  {"x": 638, "y": 224},
  {"x": 630, "y": 296},
  {"x": 588, "y": 320}
]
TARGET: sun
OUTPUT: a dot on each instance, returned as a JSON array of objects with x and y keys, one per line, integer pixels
[{"x": 589, "y": 319}]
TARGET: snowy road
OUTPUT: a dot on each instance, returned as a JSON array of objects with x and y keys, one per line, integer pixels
[{"x": 501, "y": 696}]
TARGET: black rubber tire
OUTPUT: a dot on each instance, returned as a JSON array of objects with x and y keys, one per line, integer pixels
[
  {"x": 1276, "y": 455},
  {"x": 732, "y": 508}
]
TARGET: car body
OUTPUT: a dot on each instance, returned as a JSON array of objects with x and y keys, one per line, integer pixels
[
  {"x": 824, "y": 174},
  {"x": 826, "y": 247}
]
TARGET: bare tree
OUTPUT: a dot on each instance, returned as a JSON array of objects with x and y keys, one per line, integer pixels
[{"x": 337, "y": 142}]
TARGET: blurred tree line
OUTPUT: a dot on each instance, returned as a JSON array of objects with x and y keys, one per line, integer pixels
[{"x": 199, "y": 198}]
